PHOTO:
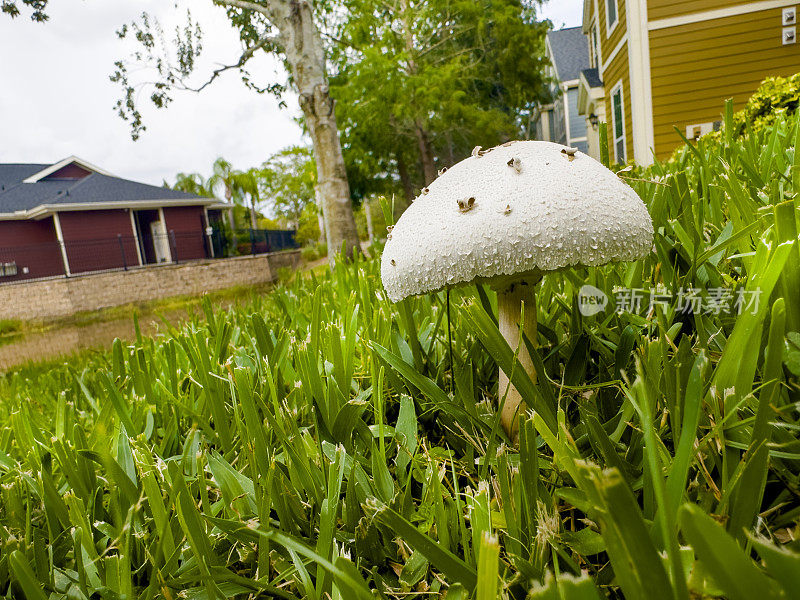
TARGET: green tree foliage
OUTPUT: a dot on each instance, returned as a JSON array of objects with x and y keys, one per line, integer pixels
[
  {"x": 308, "y": 231},
  {"x": 223, "y": 175},
  {"x": 192, "y": 183},
  {"x": 239, "y": 188},
  {"x": 246, "y": 184},
  {"x": 37, "y": 8},
  {"x": 287, "y": 180},
  {"x": 419, "y": 84}
]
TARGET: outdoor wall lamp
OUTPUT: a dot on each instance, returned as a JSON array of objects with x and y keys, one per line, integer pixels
[{"x": 594, "y": 120}]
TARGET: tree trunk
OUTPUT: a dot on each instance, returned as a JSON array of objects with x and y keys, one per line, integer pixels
[
  {"x": 253, "y": 215},
  {"x": 425, "y": 153},
  {"x": 305, "y": 56},
  {"x": 320, "y": 220},
  {"x": 231, "y": 216},
  {"x": 451, "y": 154},
  {"x": 405, "y": 180}
]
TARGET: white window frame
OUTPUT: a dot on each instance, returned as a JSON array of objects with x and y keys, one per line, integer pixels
[
  {"x": 609, "y": 25},
  {"x": 594, "y": 42},
  {"x": 614, "y": 139}
]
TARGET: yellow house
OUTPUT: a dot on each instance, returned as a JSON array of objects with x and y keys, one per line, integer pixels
[{"x": 661, "y": 64}]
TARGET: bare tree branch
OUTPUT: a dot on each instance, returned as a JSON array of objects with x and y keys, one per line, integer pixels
[
  {"x": 246, "y": 55},
  {"x": 245, "y": 5}
]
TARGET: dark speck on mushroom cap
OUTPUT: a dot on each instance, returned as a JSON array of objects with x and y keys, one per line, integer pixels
[{"x": 552, "y": 214}]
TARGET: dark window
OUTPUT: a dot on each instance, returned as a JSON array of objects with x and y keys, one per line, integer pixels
[
  {"x": 611, "y": 13},
  {"x": 619, "y": 124}
]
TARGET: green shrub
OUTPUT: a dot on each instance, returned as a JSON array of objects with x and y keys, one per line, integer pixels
[
  {"x": 314, "y": 252},
  {"x": 775, "y": 96},
  {"x": 308, "y": 231}
]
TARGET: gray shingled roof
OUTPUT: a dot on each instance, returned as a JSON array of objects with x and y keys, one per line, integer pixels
[
  {"x": 570, "y": 52},
  {"x": 12, "y": 174},
  {"x": 592, "y": 77},
  {"x": 16, "y": 196}
]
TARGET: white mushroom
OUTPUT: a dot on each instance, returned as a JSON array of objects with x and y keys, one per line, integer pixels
[{"x": 565, "y": 213}]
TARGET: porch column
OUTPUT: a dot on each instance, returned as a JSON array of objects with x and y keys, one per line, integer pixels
[
  {"x": 209, "y": 233},
  {"x": 135, "y": 231},
  {"x": 60, "y": 238},
  {"x": 166, "y": 233},
  {"x": 640, "y": 84}
]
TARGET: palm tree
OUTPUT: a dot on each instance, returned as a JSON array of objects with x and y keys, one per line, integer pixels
[
  {"x": 191, "y": 183},
  {"x": 246, "y": 184},
  {"x": 225, "y": 175}
]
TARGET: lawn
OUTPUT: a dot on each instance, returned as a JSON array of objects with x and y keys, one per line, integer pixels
[{"x": 322, "y": 442}]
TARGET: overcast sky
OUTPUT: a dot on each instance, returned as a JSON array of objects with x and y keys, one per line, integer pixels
[{"x": 56, "y": 99}]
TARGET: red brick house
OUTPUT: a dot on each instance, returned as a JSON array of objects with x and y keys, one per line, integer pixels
[{"x": 72, "y": 217}]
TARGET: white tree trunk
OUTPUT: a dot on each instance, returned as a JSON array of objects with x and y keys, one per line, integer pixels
[
  {"x": 301, "y": 43},
  {"x": 320, "y": 221},
  {"x": 253, "y": 216},
  {"x": 231, "y": 216},
  {"x": 305, "y": 55}
]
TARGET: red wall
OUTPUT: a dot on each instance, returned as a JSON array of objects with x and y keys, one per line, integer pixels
[
  {"x": 71, "y": 171},
  {"x": 188, "y": 223},
  {"x": 91, "y": 239},
  {"x": 31, "y": 244}
]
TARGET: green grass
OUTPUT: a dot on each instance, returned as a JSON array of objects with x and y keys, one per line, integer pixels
[
  {"x": 9, "y": 326},
  {"x": 10, "y": 329},
  {"x": 317, "y": 442},
  {"x": 174, "y": 309}
]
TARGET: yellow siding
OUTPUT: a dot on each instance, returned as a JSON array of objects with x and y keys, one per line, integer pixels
[
  {"x": 696, "y": 67},
  {"x": 607, "y": 44},
  {"x": 665, "y": 9},
  {"x": 616, "y": 71}
]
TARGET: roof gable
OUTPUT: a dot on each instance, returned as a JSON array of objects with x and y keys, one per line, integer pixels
[
  {"x": 70, "y": 171},
  {"x": 57, "y": 167}
]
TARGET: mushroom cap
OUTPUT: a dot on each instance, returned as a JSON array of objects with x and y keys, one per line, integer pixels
[{"x": 541, "y": 212}]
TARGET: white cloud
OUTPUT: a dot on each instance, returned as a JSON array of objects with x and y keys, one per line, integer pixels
[{"x": 56, "y": 98}]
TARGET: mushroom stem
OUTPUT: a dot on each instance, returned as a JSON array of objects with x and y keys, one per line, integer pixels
[{"x": 509, "y": 303}]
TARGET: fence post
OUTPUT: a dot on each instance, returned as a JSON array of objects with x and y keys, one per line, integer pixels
[
  {"x": 122, "y": 250},
  {"x": 174, "y": 246}
]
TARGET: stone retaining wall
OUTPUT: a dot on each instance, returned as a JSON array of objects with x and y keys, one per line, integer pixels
[{"x": 66, "y": 296}]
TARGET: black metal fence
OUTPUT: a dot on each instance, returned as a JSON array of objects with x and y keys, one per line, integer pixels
[
  {"x": 123, "y": 252},
  {"x": 257, "y": 241}
]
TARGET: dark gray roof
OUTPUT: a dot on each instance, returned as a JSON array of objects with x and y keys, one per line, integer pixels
[
  {"x": 96, "y": 187},
  {"x": 570, "y": 52},
  {"x": 592, "y": 77},
  {"x": 12, "y": 174}
]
